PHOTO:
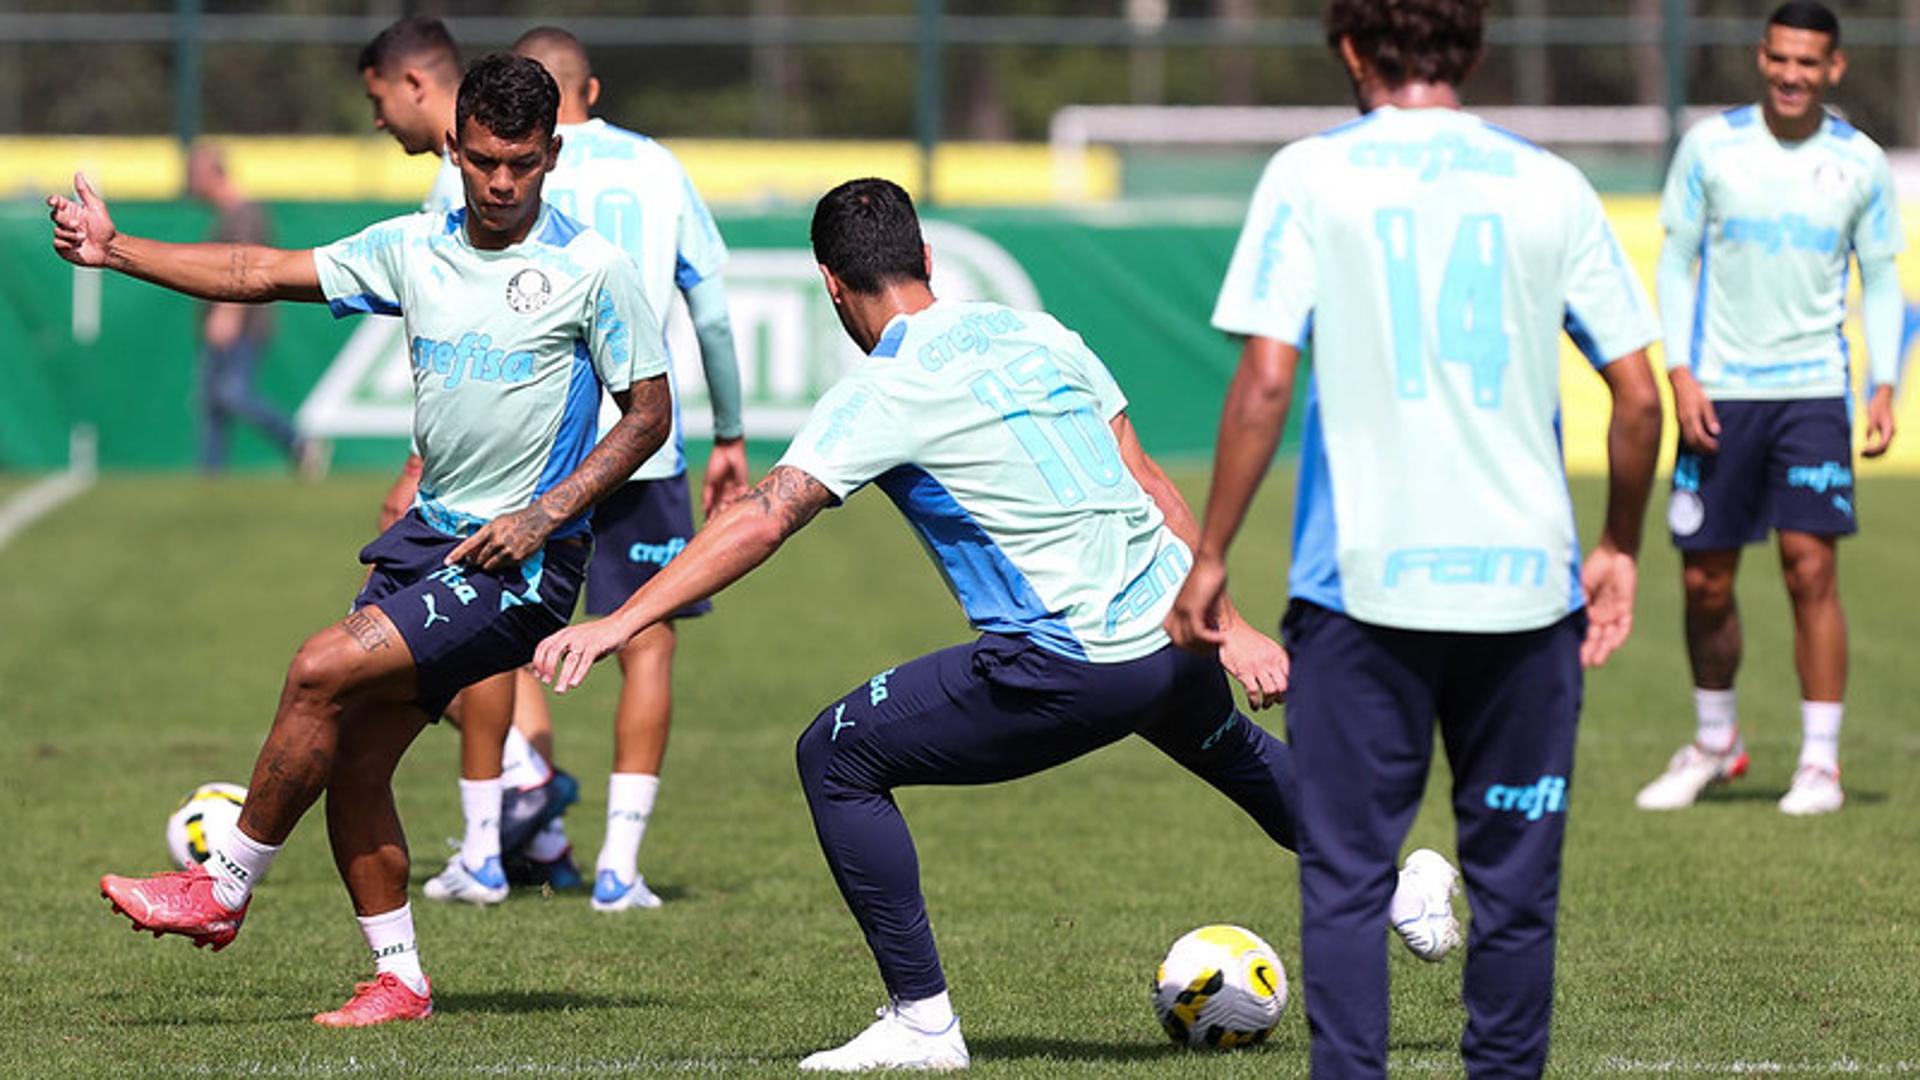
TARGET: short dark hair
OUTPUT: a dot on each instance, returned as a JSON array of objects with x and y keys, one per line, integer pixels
[
  {"x": 866, "y": 232},
  {"x": 1435, "y": 41},
  {"x": 416, "y": 37},
  {"x": 509, "y": 95},
  {"x": 1808, "y": 15}
]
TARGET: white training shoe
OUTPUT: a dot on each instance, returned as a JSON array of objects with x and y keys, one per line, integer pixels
[
  {"x": 1692, "y": 770},
  {"x": 1422, "y": 908},
  {"x": 612, "y": 894},
  {"x": 1815, "y": 790},
  {"x": 890, "y": 1043},
  {"x": 486, "y": 885}
]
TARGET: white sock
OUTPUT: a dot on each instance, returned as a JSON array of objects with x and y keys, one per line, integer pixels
[
  {"x": 521, "y": 766},
  {"x": 929, "y": 1016},
  {"x": 629, "y": 804},
  {"x": 1719, "y": 722},
  {"x": 237, "y": 862},
  {"x": 390, "y": 936},
  {"x": 480, "y": 802},
  {"x": 550, "y": 842},
  {"x": 1820, "y": 733}
]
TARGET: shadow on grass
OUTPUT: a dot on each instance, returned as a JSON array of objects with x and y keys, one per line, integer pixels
[
  {"x": 1773, "y": 794},
  {"x": 1020, "y": 1046},
  {"x": 535, "y": 1001},
  {"x": 503, "y": 1002}
]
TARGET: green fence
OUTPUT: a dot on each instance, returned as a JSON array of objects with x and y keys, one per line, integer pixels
[{"x": 119, "y": 354}]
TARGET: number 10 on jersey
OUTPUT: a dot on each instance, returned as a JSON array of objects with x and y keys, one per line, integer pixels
[{"x": 1469, "y": 312}]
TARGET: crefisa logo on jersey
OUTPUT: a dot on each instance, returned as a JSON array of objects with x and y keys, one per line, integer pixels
[{"x": 528, "y": 291}]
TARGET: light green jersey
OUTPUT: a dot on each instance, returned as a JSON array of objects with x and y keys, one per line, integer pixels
[
  {"x": 633, "y": 191},
  {"x": 1773, "y": 225},
  {"x": 989, "y": 430},
  {"x": 1431, "y": 262},
  {"x": 510, "y": 350}
]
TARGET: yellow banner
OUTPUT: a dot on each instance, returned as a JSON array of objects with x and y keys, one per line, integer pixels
[{"x": 1585, "y": 407}]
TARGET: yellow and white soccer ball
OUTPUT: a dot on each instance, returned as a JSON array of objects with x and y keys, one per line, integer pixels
[
  {"x": 210, "y": 811},
  {"x": 1220, "y": 986}
]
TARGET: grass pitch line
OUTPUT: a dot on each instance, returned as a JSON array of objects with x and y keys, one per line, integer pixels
[{"x": 48, "y": 495}]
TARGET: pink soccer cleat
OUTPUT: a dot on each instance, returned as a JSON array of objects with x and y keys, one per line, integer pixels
[
  {"x": 381, "y": 1001},
  {"x": 177, "y": 902}
]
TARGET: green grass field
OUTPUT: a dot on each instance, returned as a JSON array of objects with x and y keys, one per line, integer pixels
[{"x": 147, "y": 626}]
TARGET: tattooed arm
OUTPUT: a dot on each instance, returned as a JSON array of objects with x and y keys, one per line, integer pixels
[
  {"x": 646, "y": 415},
  {"x": 736, "y": 540},
  {"x": 83, "y": 234}
]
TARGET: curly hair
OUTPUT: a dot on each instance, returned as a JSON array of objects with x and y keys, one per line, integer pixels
[
  {"x": 511, "y": 96},
  {"x": 866, "y": 232},
  {"x": 1405, "y": 41}
]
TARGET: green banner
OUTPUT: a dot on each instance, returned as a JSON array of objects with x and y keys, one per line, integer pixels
[{"x": 84, "y": 347}]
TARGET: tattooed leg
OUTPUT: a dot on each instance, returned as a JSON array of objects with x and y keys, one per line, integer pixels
[{"x": 361, "y": 660}]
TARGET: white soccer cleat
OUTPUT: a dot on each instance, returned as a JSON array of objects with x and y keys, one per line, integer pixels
[
  {"x": 1815, "y": 790},
  {"x": 612, "y": 894},
  {"x": 1422, "y": 907},
  {"x": 891, "y": 1043},
  {"x": 1692, "y": 770},
  {"x": 487, "y": 885}
]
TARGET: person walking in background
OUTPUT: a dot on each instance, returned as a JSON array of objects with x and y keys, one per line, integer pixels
[{"x": 233, "y": 337}]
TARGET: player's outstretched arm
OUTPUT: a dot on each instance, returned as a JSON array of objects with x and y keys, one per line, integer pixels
[
  {"x": 1255, "y": 660},
  {"x": 1251, "y": 421},
  {"x": 83, "y": 234},
  {"x": 1611, "y": 573},
  {"x": 740, "y": 537},
  {"x": 646, "y": 416}
]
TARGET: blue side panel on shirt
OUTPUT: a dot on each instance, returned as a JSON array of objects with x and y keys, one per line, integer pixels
[
  {"x": 996, "y": 595},
  {"x": 1699, "y": 312},
  {"x": 685, "y": 274},
  {"x": 560, "y": 229},
  {"x": 889, "y": 343},
  {"x": 1316, "y": 564},
  {"x": 365, "y": 303},
  {"x": 1583, "y": 339},
  {"x": 578, "y": 420}
]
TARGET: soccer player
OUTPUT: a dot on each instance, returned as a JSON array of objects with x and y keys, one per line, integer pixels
[
  {"x": 1006, "y": 444},
  {"x": 634, "y": 192},
  {"x": 1770, "y": 201},
  {"x": 508, "y": 790},
  {"x": 412, "y": 75},
  {"x": 1429, "y": 263},
  {"x": 517, "y": 317}
]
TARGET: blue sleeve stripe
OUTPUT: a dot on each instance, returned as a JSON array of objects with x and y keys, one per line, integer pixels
[
  {"x": 1699, "y": 335},
  {"x": 1583, "y": 339},
  {"x": 685, "y": 274},
  {"x": 1306, "y": 334},
  {"x": 362, "y": 304}
]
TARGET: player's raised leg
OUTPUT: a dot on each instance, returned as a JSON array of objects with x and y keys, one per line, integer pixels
[
  {"x": 370, "y": 850},
  {"x": 360, "y": 661}
]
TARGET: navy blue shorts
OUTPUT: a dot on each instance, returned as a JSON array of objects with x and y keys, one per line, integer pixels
[
  {"x": 1784, "y": 465},
  {"x": 637, "y": 530},
  {"x": 463, "y": 625}
]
